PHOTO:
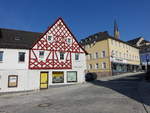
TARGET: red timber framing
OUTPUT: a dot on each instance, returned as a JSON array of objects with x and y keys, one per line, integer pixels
[{"x": 59, "y": 33}]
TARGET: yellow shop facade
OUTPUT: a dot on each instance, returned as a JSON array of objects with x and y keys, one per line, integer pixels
[{"x": 108, "y": 55}]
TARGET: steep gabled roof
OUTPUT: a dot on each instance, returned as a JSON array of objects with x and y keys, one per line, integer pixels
[
  {"x": 95, "y": 38},
  {"x": 134, "y": 41},
  {"x": 17, "y": 39},
  {"x": 99, "y": 37}
]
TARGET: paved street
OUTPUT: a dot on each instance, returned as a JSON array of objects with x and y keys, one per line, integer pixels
[{"x": 120, "y": 95}]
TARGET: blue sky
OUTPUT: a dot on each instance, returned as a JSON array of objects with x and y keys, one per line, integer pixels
[{"x": 84, "y": 17}]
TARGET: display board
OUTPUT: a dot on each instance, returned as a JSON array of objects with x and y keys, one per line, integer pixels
[{"x": 12, "y": 81}]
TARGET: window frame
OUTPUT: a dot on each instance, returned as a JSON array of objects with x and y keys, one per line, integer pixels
[
  {"x": 96, "y": 66},
  {"x": 10, "y": 86},
  {"x": 76, "y": 76},
  {"x": 90, "y": 66},
  {"x": 51, "y": 38},
  {"x": 41, "y": 56},
  {"x": 2, "y": 53},
  {"x": 62, "y": 57},
  {"x": 77, "y": 56},
  {"x": 104, "y": 66},
  {"x": 19, "y": 56},
  {"x": 54, "y": 82},
  {"x": 103, "y": 55},
  {"x": 96, "y": 55}
]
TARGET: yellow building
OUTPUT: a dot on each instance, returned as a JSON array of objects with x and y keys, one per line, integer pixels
[{"x": 109, "y": 56}]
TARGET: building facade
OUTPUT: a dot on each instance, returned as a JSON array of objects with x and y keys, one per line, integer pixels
[
  {"x": 30, "y": 61},
  {"x": 144, "y": 46},
  {"x": 109, "y": 56}
]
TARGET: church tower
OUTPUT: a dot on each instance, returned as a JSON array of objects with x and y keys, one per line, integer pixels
[{"x": 116, "y": 30}]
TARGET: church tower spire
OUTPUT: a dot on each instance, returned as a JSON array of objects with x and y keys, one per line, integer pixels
[{"x": 116, "y": 30}]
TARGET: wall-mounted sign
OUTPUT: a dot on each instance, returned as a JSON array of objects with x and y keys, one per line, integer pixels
[
  {"x": 118, "y": 60},
  {"x": 12, "y": 81},
  {"x": 58, "y": 77}
]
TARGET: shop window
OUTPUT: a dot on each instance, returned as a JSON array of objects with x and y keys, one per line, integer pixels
[
  {"x": 12, "y": 80},
  {"x": 71, "y": 76},
  {"x": 1, "y": 56},
  {"x": 21, "y": 56},
  {"x": 58, "y": 77}
]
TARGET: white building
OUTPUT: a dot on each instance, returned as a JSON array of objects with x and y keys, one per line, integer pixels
[{"x": 30, "y": 61}]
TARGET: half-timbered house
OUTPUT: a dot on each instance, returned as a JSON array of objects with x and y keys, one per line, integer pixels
[{"x": 30, "y": 60}]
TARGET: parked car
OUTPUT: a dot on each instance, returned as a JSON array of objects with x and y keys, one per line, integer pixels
[{"x": 90, "y": 76}]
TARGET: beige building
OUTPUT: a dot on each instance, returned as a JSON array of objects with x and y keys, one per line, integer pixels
[{"x": 109, "y": 56}]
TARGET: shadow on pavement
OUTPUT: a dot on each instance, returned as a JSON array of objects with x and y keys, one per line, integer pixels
[{"x": 127, "y": 86}]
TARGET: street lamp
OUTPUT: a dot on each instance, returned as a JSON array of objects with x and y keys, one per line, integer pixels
[{"x": 147, "y": 60}]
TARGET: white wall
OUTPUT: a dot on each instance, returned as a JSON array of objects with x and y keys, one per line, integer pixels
[
  {"x": 30, "y": 79},
  {"x": 10, "y": 59}
]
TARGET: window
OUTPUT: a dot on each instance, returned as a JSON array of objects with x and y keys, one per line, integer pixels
[
  {"x": 90, "y": 66},
  {"x": 103, "y": 65},
  {"x": 21, "y": 56},
  {"x": 103, "y": 54},
  {"x": 116, "y": 53},
  {"x": 96, "y": 54},
  {"x": 112, "y": 53},
  {"x": 1, "y": 56},
  {"x": 124, "y": 55},
  {"x": 41, "y": 54},
  {"x": 119, "y": 44},
  {"x": 76, "y": 56},
  {"x": 71, "y": 76},
  {"x": 90, "y": 56},
  {"x": 112, "y": 42},
  {"x": 50, "y": 38},
  {"x": 61, "y": 56},
  {"x": 120, "y": 54},
  {"x": 12, "y": 81},
  {"x": 96, "y": 66},
  {"x": 69, "y": 40},
  {"x": 58, "y": 77}
]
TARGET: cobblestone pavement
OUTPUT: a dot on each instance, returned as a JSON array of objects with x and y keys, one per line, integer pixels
[{"x": 119, "y": 95}]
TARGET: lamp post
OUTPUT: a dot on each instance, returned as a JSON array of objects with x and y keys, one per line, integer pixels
[{"x": 147, "y": 60}]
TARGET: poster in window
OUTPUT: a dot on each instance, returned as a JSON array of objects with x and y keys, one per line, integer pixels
[
  {"x": 71, "y": 76},
  {"x": 58, "y": 77},
  {"x": 12, "y": 80}
]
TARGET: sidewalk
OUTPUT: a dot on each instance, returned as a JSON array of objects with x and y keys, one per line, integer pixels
[{"x": 119, "y": 76}]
